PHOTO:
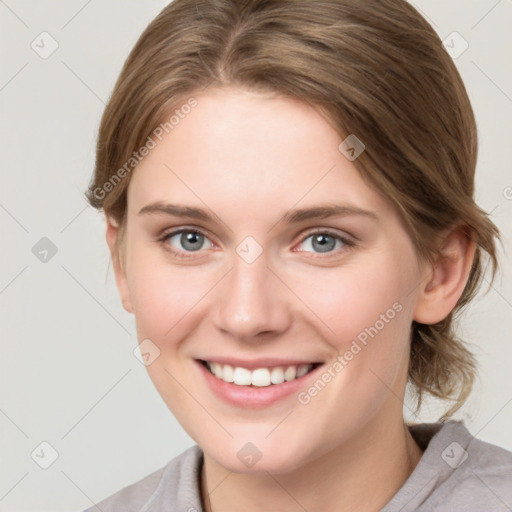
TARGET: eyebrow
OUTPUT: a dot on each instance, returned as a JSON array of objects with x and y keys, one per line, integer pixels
[{"x": 290, "y": 217}]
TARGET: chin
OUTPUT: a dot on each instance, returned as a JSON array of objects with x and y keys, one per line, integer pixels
[{"x": 260, "y": 456}]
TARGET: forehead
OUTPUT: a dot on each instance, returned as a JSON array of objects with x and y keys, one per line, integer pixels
[{"x": 256, "y": 152}]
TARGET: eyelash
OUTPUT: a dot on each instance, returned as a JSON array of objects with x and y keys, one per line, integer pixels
[{"x": 347, "y": 242}]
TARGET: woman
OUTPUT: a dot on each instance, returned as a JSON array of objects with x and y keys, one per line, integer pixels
[{"x": 288, "y": 189}]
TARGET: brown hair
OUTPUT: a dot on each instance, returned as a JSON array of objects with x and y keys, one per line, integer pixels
[{"x": 376, "y": 69}]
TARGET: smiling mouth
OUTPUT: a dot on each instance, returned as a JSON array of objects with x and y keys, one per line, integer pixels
[{"x": 259, "y": 377}]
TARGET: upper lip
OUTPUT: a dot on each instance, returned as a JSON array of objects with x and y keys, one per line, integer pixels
[{"x": 253, "y": 364}]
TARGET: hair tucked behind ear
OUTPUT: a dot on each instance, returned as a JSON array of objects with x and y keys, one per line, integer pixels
[
  {"x": 440, "y": 364},
  {"x": 376, "y": 69}
]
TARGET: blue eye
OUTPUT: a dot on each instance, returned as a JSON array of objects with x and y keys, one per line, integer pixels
[
  {"x": 183, "y": 243},
  {"x": 323, "y": 242},
  {"x": 187, "y": 240}
]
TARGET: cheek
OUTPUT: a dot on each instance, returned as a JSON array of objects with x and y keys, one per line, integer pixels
[
  {"x": 359, "y": 303},
  {"x": 367, "y": 309},
  {"x": 165, "y": 297},
  {"x": 369, "y": 315},
  {"x": 168, "y": 306}
]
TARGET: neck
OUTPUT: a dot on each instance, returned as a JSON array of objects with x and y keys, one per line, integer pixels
[{"x": 361, "y": 474}]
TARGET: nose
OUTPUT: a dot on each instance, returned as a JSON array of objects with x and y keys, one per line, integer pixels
[{"x": 252, "y": 303}]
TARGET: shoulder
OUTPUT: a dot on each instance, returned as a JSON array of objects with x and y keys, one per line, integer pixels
[
  {"x": 478, "y": 475},
  {"x": 456, "y": 472},
  {"x": 452, "y": 443},
  {"x": 176, "y": 485}
]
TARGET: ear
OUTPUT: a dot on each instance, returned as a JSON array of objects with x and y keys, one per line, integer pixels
[
  {"x": 112, "y": 235},
  {"x": 447, "y": 277}
]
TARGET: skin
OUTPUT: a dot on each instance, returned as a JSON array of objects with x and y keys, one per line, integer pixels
[{"x": 248, "y": 159}]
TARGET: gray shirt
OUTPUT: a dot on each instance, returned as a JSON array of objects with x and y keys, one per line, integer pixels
[{"x": 457, "y": 472}]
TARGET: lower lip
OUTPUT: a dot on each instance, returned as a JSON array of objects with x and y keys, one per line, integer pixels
[{"x": 250, "y": 397}]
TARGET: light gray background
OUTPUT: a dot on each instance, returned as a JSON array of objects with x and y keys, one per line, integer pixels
[{"x": 68, "y": 374}]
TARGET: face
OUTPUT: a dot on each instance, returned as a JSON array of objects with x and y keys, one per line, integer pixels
[{"x": 254, "y": 249}]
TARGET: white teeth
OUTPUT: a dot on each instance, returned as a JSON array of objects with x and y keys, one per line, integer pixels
[
  {"x": 241, "y": 377},
  {"x": 277, "y": 375},
  {"x": 290, "y": 373},
  {"x": 261, "y": 377},
  {"x": 303, "y": 369},
  {"x": 217, "y": 370},
  {"x": 228, "y": 374}
]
